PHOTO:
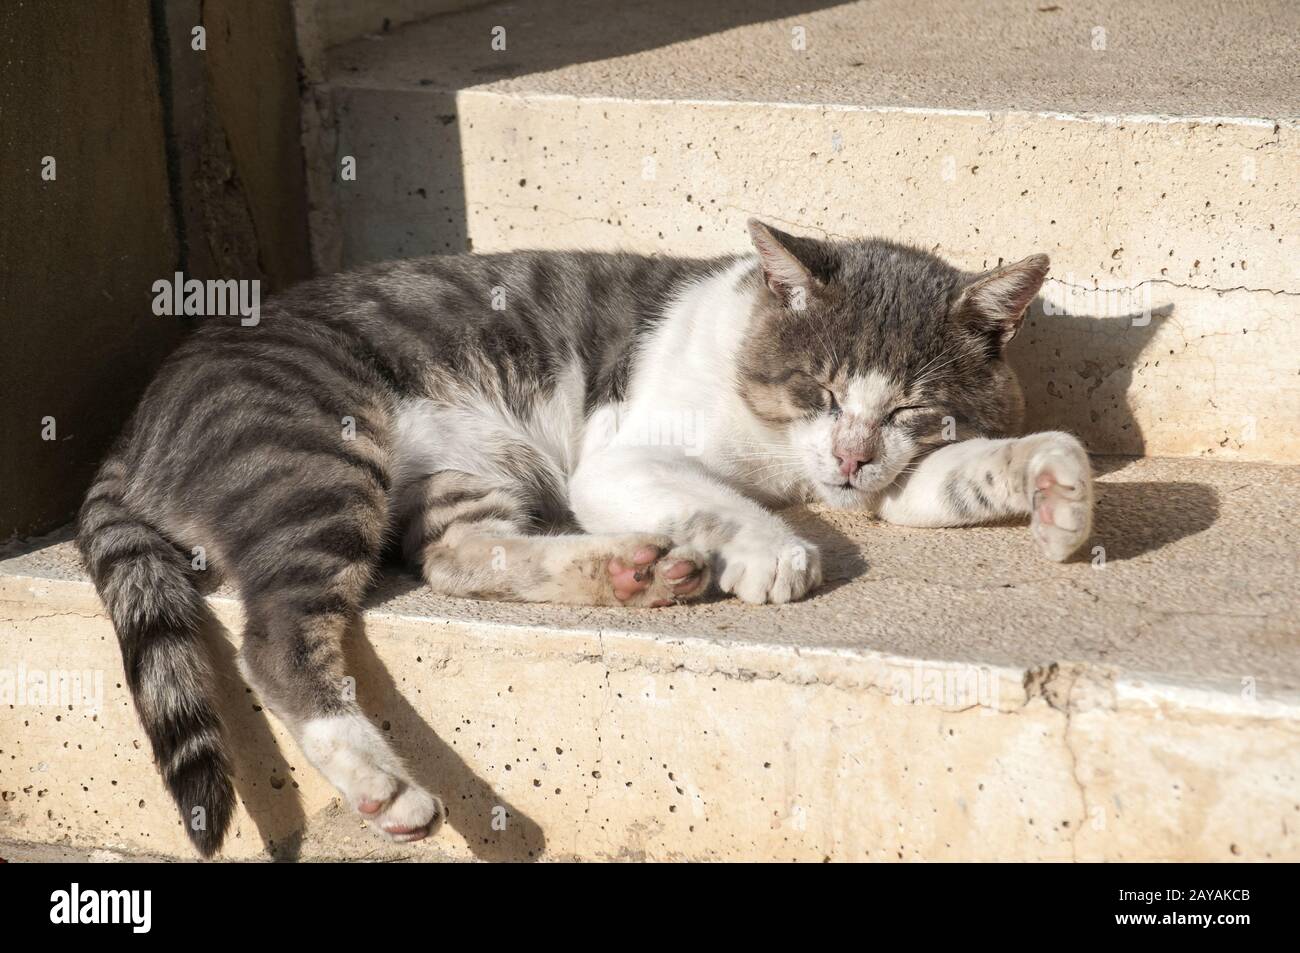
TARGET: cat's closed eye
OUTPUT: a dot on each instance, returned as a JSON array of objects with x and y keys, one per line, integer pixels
[{"x": 903, "y": 412}]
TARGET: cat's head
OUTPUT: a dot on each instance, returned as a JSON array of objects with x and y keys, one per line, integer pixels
[{"x": 866, "y": 354}]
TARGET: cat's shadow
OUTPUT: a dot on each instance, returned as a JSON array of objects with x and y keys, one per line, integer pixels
[
  {"x": 1081, "y": 373},
  {"x": 843, "y": 557},
  {"x": 1133, "y": 519},
  {"x": 263, "y": 777},
  {"x": 493, "y": 828}
]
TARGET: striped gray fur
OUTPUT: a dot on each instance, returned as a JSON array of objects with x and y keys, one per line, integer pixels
[{"x": 237, "y": 447}]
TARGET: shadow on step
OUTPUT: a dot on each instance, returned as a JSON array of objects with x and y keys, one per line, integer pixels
[
  {"x": 1082, "y": 373},
  {"x": 420, "y": 207},
  {"x": 1133, "y": 519},
  {"x": 842, "y": 557},
  {"x": 474, "y": 809},
  {"x": 586, "y": 34},
  {"x": 264, "y": 779}
]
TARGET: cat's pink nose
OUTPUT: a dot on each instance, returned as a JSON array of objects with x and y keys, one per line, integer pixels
[{"x": 851, "y": 462}]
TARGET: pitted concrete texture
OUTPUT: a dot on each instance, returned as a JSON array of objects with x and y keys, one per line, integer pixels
[
  {"x": 983, "y": 132},
  {"x": 23, "y": 852},
  {"x": 1171, "y": 57},
  {"x": 949, "y": 695},
  {"x": 19, "y": 852}
]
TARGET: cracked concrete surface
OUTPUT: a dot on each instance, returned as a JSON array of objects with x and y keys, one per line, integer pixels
[
  {"x": 948, "y": 696},
  {"x": 1167, "y": 218}
]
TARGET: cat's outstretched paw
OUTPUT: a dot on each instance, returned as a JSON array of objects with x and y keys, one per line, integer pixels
[
  {"x": 1060, "y": 491},
  {"x": 769, "y": 570},
  {"x": 654, "y": 574}
]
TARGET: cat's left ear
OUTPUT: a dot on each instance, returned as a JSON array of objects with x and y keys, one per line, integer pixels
[
  {"x": 786, "y": 261},
  {"x": 995, "y": 303}
]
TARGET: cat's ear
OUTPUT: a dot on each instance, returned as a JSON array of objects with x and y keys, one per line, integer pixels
[
  {"x": 784, "y": 261},
  {"x": 995, "y": 303}
]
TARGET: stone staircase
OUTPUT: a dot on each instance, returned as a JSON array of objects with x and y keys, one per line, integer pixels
[
  {"x": 1158, "y": 173},
  {"x": 950, "y": 695}
]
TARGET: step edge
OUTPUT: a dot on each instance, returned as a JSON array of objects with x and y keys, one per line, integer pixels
[
  {"x": 905, "y": 679},
  {"x": 1276, "y": 123}
]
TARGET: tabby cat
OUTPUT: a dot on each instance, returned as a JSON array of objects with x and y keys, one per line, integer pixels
[{"x": 582, "y": 428}]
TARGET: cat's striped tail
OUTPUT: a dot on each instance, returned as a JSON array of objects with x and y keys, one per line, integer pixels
[{"x": 158, "y": 613}]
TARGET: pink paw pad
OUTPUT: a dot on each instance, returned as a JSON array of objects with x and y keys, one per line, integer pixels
[
  {"x": 398, "y": 818},
  {"x": 406, "y": 834},
  {"x": 630, "y": 580},
  {"x": 683, "y": 577},
  {"x": 651, "y": 577},
  {"x": 1061, "y": 505}
]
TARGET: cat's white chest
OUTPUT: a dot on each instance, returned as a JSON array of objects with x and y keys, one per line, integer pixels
[{"x": 682, "y": 399}]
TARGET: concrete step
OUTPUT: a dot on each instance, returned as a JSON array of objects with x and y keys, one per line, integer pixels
[
  {"x": 1155, "y": 165},
  {"x": 950, "y": 695}
]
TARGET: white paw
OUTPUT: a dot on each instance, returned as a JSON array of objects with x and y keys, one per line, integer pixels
[
  {"x": 769, "y": 568},
  {"x": 357, "y": 760},
  {"x": 1060, "y": 493},
  {"x": 410, "y": 816}
]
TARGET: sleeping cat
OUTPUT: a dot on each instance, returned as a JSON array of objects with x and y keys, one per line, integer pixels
[{"x": 592, "y": 429}]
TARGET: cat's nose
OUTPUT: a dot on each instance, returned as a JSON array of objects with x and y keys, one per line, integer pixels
[{"x": 851, "y": 461}]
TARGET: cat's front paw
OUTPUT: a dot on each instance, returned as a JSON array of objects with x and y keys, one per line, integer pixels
[
  {"x": 769, "y": 569},
  {"x": 1060, "y": 492}
]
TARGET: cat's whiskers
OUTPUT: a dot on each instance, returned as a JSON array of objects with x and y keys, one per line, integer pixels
[
  {"x": 750, "y": 448},
  {"x": 775, "y": 466},
  {"x": 782, "y": 469},
  {"x": 832, "y": 351},
  {"x": 940, "y": 355},
  {"x": 930, "y": 374},
  {"x": 792, "y": 459}
]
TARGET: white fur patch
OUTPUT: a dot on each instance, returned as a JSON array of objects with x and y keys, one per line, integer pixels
[
  {"x": 869, "y": 396},
  {"x": 354, "y": 757},
  {"x": 433, "y": 436}
]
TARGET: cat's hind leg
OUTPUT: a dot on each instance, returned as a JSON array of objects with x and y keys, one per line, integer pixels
[
  {"x": 302, "y": 580},
  {"x": 1046, "y": 476},
  {"x": 481, "y": 537}
]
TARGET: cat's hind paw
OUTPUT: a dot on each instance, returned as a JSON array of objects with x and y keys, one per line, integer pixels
[
  {"x": 356, "y": 759},
  {"x": 658, "y": 576},
  {"x": 411, "y": 814}
]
